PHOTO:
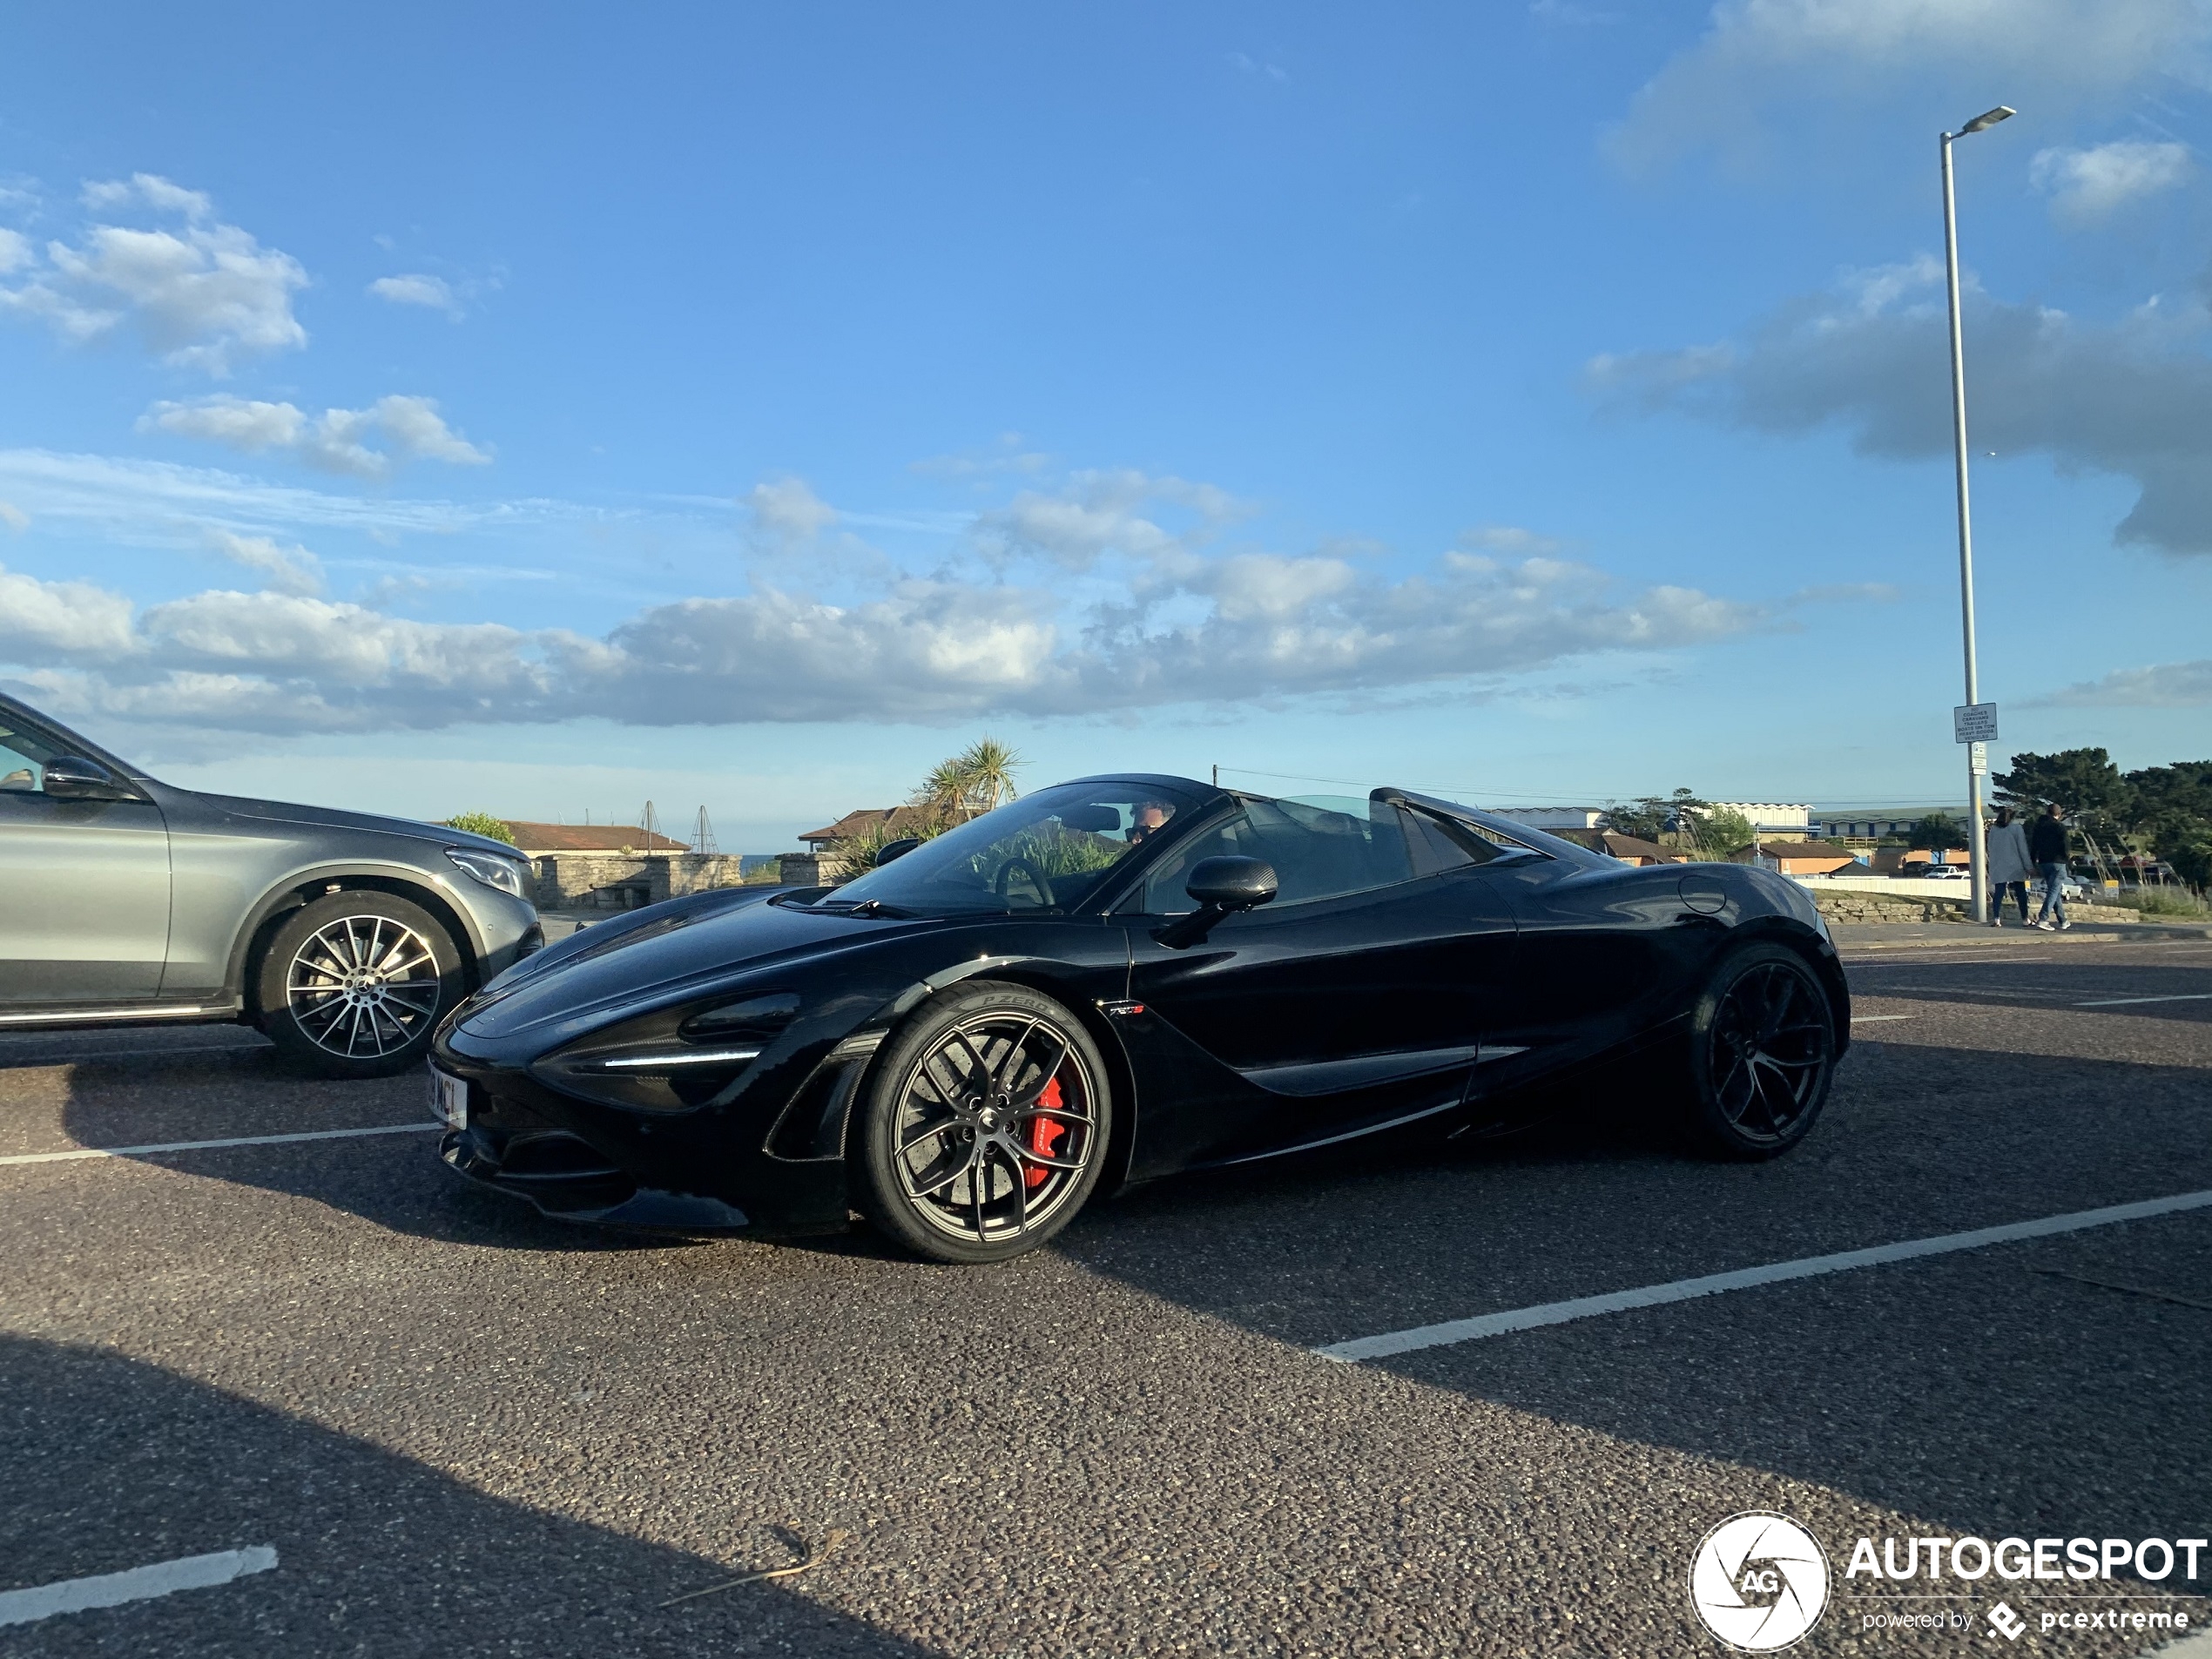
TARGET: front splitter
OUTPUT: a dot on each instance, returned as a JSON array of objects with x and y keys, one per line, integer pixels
[{"x": 649, "y": 1208}]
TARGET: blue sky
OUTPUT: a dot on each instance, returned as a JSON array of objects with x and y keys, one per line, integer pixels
[{"x": 545, "y": 408}]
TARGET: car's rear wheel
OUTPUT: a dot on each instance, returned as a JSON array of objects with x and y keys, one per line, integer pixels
[
  {"x": 354, "y": 984},
  {"x": 986, "y": 1127},
  {"x": 1762, "y": 1044}
]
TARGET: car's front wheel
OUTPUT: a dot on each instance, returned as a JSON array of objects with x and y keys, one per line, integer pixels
[
  {"x": 1762, "y": 1053},
  {"x": 354, "y": 984},
  {"x": 986, "y": 1127}
]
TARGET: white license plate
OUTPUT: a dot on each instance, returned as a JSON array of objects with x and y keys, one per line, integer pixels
[{"x": 448, "y": 1099}]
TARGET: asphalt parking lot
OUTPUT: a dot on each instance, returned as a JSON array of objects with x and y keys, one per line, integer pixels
[{"x": 464, "y": 1429}]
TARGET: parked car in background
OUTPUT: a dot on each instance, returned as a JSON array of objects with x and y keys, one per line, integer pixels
[
  {"x": 2071, "y": 888},
  {"x": 345, "y": 936},
  {"x": 1946, "y": 872}
]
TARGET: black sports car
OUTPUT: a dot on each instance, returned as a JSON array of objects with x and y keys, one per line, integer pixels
[{"x": 1115, "y": 979}]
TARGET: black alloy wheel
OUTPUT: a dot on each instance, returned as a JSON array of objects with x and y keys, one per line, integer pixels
[
  {"x": 986, "y": 1127},
  {"x": 354, "y": 984},
  {"x": 1762, "y": 1053}
]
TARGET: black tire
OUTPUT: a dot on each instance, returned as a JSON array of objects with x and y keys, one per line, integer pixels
[
  {"x": 1762, "y": 1053},
  {"x": 985, "y": 1126},
  {"x": 354, "y": 984}
]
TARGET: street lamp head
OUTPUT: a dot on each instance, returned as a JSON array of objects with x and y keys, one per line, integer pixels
[{"x": 1988, "y": 119}]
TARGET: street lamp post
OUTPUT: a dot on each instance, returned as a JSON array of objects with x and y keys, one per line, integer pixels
[{"x": 1977, "y": 842}]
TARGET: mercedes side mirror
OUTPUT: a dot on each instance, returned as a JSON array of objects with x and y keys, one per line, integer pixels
[
  {"x": 1218, "y": 886},
  {"x": 897, "y": 849},
  {"x": 74, "y": 778}
]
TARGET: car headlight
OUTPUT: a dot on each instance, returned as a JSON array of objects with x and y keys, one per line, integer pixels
[
  {"x": 491, "y": 868},
  {"x": 672, "y": 1059}
]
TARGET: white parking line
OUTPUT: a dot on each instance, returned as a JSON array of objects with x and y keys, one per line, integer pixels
[
  {"x": 139, "y": 1584},
  {"x": 1684, "y": 1290},
  {"x": 193, "y": 1146},
  {"x": 1869, "y": 1019},
  {"x": 2129, "y": 1001}
]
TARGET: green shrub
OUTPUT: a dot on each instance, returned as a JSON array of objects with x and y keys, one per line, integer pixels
[
  {"x": 483, "y": 824},
  {"x": 2162, "y": 902}
]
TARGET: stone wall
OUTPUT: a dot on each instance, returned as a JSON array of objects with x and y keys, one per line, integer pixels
[
  {"x": 614, "y": 882},
  {"x": 1838, "y": 906},
  {"x": 1842, "y": 905}
]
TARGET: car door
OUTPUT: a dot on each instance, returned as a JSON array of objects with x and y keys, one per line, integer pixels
[
  {"x": 84, "y": 887},
  {"x": 1356, "y": 996}
]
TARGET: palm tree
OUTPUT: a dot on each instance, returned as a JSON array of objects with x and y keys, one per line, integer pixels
[
  {"x": 945, "y": 791},
  {"x": 987, "y": 767}
]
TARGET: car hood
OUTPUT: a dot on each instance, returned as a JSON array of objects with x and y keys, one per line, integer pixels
[
  {"x": 660, "y": 954},
  {"x": 283, "y": 811}
]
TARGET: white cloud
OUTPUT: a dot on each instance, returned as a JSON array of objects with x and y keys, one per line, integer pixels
[
  {"x": 2132, "y": 397},
  {"x": 335, "y": 440},
  {"x": 15, "y": 251},
  {"x": 786, "y": 509},
  {"x": 2086, "y": 185},
  {"x": 201, "y": 294},
  {"x": 14, "y": 518},
  {"x": 1244, "y": 63},
  {"x": 146, "y": 502},
  {"x": 1159, "y": 619},
  {"x": 44, "y": 621},
  {"x": 289, "y": 569},
  {"x": 1106, "y": 513},
  {"x": 1758, "y": 58},
  {"x": 2162, "y": 685},
  {"x": 149, "y": 191},
  {"x": 1510, "y": 539},
  {"x": 433, "y": 293}
]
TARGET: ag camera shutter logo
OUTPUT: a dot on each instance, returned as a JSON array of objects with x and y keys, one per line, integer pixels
[{"x": 1758, "y": 1582}]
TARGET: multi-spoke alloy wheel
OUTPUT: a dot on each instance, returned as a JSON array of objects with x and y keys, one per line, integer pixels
[
  {"x": 1763, "y": 1052},
  {"x": 363, "y": 987},
  {"x": 354, "y": 984},
  {"x": 987, "y": 1126}
]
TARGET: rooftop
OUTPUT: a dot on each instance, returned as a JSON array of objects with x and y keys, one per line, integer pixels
[{"x": 588, "y": 838}]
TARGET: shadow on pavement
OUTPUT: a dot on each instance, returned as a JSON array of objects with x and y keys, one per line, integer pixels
[
  {"x": 109, "y": 1463},
  {"x": 396, "y": 1181}
]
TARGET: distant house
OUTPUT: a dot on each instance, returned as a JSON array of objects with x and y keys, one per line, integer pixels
[
  {"x": 1800, "y": 858},
  {"x": 1871, "y": 823},
  {"x": 891, "y": 821},
  {"x": 537, "y": 840},
  {"x": 1631, "y": 850},
  {"x": 1626, "y": 848}
]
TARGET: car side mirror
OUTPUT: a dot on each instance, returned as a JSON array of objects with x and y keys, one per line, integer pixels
[
  {"x": 1218, "y": 886},
  {"x": 897, "y": 849},
  {"x": 74, "y": 778}
]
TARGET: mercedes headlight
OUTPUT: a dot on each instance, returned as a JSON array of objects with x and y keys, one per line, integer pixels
[
  {"x": 672, "y": 1059},
  {"x": 491, "y": 868}
]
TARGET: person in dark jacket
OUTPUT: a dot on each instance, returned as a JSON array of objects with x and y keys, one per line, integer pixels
[{"x": 2046, "y": 846}]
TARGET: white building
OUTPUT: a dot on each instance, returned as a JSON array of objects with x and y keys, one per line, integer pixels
[
  {"x": 1552, "y": 818},
  {"x": 1766, "y": 816}
]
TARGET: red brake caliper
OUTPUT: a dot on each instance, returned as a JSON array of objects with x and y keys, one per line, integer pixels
[{"x": 1045, "y": 1133}]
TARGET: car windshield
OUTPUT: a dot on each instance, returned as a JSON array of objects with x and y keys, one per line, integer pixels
[{"x": 1048, "y": 851}]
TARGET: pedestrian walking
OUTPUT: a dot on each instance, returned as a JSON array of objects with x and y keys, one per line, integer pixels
[
  {"x": 2010, "y": 867},
  {"x": 2046, "y": 846}
]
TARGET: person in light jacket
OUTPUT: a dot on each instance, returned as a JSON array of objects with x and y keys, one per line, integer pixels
[{"x": 2009, "y": 868}]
